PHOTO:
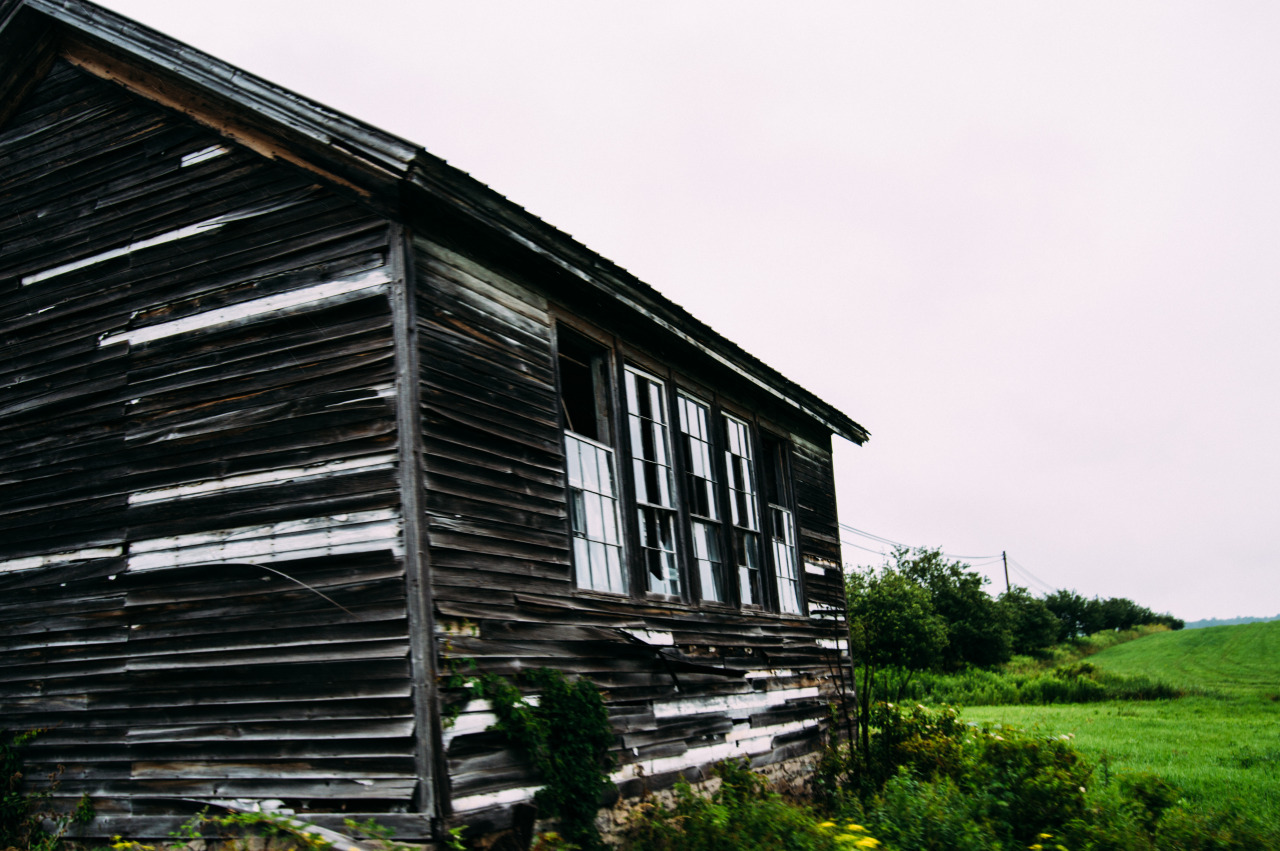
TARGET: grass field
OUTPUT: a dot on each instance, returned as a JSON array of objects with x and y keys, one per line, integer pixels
[{"x": 1220, "y": 746}]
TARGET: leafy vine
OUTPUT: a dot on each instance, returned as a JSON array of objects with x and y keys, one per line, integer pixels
[{"x": 567, "y": 737}]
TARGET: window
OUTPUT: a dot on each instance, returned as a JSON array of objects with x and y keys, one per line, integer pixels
[
  {"x": 782, "y": 527},
  {"x": 703, "y": 508},
  {"x": 703, "y": 497},
  {"x": 744, "y": 513},
  {"x": 652, "y": 480},
  {"x": 589, "y": 462}
]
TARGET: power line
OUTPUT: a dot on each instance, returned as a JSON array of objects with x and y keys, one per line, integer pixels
[
  {"x": 849, "y": 543},
  {"x": 849, "y": 528},
  {"x": 973, "y": 561},
  {"x": 1034, "y": 579},
  {"x": 893, "y": 543}
]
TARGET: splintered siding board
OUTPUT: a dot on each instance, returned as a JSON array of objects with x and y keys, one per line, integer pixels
[
  {"x": 813, "y": 477},
  {"x": 686, "y": 686},
  {"x": 201, "y": 591}
]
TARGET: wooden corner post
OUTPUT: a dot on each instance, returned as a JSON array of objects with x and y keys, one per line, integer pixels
[{"x": 417, "y": 564}]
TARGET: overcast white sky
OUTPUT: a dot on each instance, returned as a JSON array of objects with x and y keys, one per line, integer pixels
[{"x": 1032, "y": 247}]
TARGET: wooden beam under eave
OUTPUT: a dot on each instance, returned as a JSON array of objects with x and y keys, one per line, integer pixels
[
  {"x": 369, "y": 185},
  {"x": 28, "y": 45}
]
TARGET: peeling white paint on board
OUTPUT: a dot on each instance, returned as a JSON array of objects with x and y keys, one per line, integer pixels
[
  {"x": 771, "y": 674},
  {"x": 160, "y": 239},
  {"x": 815, "y": 569},
  {"x": 309, "y": 472},
  {"x": 495, "y": 799},
  {"x": 379, "y": 391},
  {"x": 361, "y": 531},
  {"x": 652, "y": 636},
  {"x": 66, "y": 557},
  {"x": 743, "y": 740},
  {"x": 735, "y": 705},
  {"x": 476, "y": 717},
  {"x": 319, "y": 295},
  {"x": 833, "y": 643},
  {"x": 817, "y": 612},
  {"x": 202, "y": 155}
]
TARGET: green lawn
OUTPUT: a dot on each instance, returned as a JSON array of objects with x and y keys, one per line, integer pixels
[{"x": 1222, "y": 747}]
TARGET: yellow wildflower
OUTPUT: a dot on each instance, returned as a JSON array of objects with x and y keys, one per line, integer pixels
[
  {"x": 868, "y": 842},
  {"x": 827, "y": 824}
]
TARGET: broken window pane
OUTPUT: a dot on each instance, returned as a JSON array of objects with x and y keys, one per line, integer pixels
[
  {"x": 739, "y": 462},
  {"x": 653, "y": 482},
  {"x": 704, "y": 511}
]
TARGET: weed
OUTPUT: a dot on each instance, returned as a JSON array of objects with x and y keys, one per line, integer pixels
[
  {"x": 743, "y": 815},
  {"x": 23, "y": 813},
  {"x": 190, "y": 829},
  {"x": 380, "y": 834}
]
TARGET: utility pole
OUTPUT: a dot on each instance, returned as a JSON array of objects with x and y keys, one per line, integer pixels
[{"x": 1004, "y": 555}]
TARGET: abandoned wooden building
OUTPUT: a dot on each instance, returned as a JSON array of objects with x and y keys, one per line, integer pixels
[{"x": 292, "y": 413}]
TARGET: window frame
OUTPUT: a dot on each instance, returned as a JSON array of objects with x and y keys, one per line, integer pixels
[
  {"x": 715, "y": 443},
  {"x": 607, "y": 345},
  {"x": 631, "y": 508},
  {"x": 622, "y": 358},
  {"x": 785, "y": 484}
]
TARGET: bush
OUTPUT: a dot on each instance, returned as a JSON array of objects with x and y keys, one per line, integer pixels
[
  {"x": 742, "y": 815},
  {"x": 930, "y": 816},
  {"x": 567, "y": 737},
  {"x": 1072, "y": 681}
]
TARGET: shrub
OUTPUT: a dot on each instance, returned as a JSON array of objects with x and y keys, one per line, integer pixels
[
  {"x": 930, "y": 816},
  {"x": 1183, "y": 830},
  {"x": 1031, "y": 784},
  {"x": 742, "y": 815},
  {"x": 567, "y": 737}
]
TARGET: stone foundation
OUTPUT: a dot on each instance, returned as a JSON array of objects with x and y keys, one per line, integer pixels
[{"x": 792, "y": 778}]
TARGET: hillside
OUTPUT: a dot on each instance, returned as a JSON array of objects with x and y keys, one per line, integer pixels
[
  {"x": 1220, "y": 745},
  {"x": 1238, "y": 660}
]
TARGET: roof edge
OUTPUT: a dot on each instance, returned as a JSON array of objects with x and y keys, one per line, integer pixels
[{"x": 385, "y": 161}]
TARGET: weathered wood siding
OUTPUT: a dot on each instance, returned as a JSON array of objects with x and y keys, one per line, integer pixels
[
  {"x": 687, "y": 686},
  {"x": 202, "y": 593}
]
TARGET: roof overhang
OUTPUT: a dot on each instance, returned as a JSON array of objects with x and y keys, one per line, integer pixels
[{"x": 393, "y": 174}]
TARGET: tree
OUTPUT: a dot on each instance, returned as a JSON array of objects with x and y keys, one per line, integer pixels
[
  {"x": 978, "y": 631},
  {"x": 1073, "y": 613},
  {"x": 1032, "y": 626},
  {"x": 892, "y": 629}
]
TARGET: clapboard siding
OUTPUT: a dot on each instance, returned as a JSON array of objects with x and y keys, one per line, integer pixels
[
  {"x": 202, "y": 593},
  {"x": 813, "y": 477},
  {"x": 719, "y": 683}
]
